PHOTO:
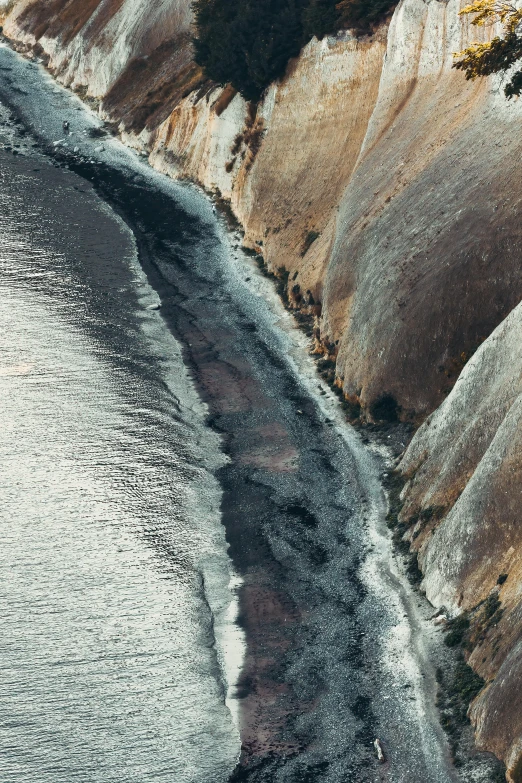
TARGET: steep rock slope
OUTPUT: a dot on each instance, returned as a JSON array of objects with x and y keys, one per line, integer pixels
[
  {"x": 284, "y": 166},
  {"x": 134, "y": 54},
  {"x": 375, "y": 175},
  {"x": 425, "y": 263},
  {"x": 387, "y": 187},
  {"x": 466, "y": 458}
]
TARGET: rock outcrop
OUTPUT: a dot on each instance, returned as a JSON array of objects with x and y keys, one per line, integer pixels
[
  {"x": 387, "y": 187},
  {"x": 466, "y": 460}
]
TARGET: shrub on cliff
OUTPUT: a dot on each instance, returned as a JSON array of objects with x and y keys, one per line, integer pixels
[
  {"x": 363, "y": 15},
  {"x": 457, "y": 630},
  {"x": 502, "y": 52},
  {"x": 320, "y": 17},
  {"x": 248, "y": 43}
]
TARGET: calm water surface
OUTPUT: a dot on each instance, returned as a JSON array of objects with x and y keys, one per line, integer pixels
[{"x": 108, "y": 510}]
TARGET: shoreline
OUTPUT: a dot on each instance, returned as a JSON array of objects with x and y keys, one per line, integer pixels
[
  {"x": 73, "y": 275},
  {"x": 264, "y": 451}
]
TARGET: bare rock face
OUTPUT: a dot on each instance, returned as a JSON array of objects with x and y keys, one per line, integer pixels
[
  {"x": 466, "y": 459},
  {"x": 93, "y": 43},
  {"x": 284, "y": 165},
  {"x": 425, "y": 262}
]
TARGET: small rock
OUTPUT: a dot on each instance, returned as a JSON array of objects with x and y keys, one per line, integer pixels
[{"x": 380, "y": 752}]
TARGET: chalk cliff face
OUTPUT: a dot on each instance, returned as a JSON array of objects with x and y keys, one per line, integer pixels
[
  {"x": 466, "y": 459},
  {"x": 424, "y": 265},
  {"x": 388, "y": 187},
  {"x": 367, "y": 166},
  {"x": 132, "y": 53},
  {"x": 285, "y": 166}
]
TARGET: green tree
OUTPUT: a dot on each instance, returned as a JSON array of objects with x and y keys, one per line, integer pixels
[
  {"x": 363, "y": 15},
  {"x": 247, "y": 42},
  {"x": 320, "y": 18},
  {"x": 499, "y": 54}
]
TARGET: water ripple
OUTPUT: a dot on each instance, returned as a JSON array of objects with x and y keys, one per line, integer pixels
[{"x": 108, "y": 510}]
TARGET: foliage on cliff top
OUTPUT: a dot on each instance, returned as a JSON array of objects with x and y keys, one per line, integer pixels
[
  {"x": 248, "y": 43},
  {"x": 499, "y": 54}
]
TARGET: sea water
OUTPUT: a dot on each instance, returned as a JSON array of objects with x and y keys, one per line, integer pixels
[{"x": 113, "y": 662}]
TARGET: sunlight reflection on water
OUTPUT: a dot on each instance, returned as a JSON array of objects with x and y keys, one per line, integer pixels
[{"x": 108, "y": 512}]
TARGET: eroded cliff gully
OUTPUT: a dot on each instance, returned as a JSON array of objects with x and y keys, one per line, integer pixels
[{"x": 387, "y": 187}]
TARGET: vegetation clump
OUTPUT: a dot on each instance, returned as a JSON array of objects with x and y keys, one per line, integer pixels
[
  {"x": 491, "y": 605},
  {"x": 422, "y": 520},
  {"x": 97, "y": 133},
  {"x": 245, "y": 43},
  {"x": 502, "y": 52},
  {"x": 457, "y": 689},
  {"x": 457, "y": 630},
  {"x": 467, "y": 684},
  {"x": 385, "y": 409},
  {"x": 308, "y": 241},
  {"x": 394, "y": 484},
  {"x": 248, "y": 43},
  {"x": 326, "y": 369},
  {"x": 459, "y": 684}
]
